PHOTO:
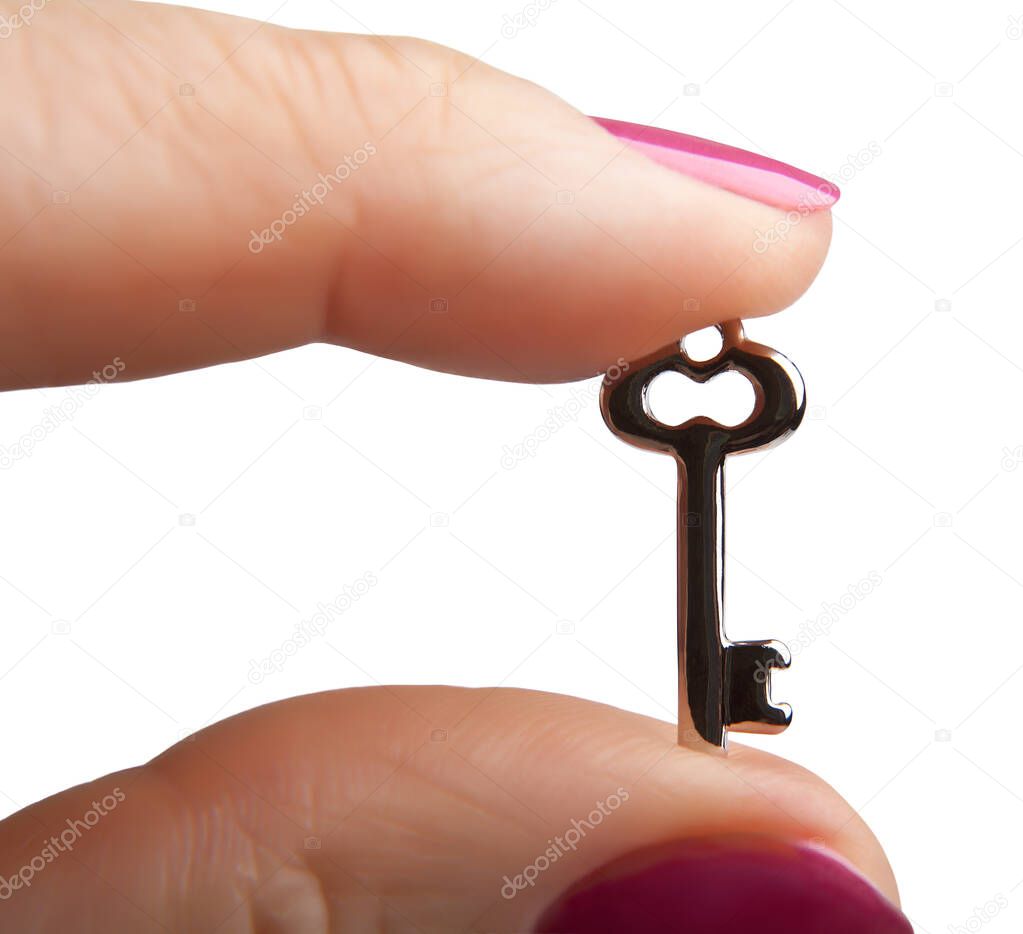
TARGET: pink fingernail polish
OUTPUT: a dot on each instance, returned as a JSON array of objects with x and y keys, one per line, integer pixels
[
  {"x": 725, "y": 886},
  {"x": 745, "y": 173}
]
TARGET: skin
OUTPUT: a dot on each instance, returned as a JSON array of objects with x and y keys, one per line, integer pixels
[{"x": 419, "y": 799}]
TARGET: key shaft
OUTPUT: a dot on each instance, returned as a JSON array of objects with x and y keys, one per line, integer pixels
[{"x": 700, "y": 579}]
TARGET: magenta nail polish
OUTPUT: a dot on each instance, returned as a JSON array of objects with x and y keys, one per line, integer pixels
[
  {"x": 745, "y": 173},
  {"x": 725, "y": 886}
]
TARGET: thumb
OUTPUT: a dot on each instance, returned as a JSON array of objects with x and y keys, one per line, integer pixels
[
  {"x": 180, "y": 188},
  {"x": 444, "y": 809}
]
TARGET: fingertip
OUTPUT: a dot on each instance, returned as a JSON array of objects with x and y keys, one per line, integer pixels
[{"x": 530, "y": 244}]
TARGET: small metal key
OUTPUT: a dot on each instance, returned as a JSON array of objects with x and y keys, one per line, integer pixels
[{"x": 722, "y": 685}]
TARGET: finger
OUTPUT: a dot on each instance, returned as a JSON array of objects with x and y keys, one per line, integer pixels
[
  {"x": 410, "y": 808},
  {"x": 180, "y": 188}
]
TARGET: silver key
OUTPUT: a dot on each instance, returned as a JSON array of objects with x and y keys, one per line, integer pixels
[{"x": 722, "y": 685}]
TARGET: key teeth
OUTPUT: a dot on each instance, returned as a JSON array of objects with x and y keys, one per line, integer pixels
[{"x": 748, "y": 706}]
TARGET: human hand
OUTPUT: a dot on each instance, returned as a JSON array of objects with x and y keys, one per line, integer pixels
[{"x": 131, "y": 214}]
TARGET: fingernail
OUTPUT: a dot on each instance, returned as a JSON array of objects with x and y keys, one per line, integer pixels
[
  {"x": 719, "y": 885},
  {"x": 745, "y": 173}
]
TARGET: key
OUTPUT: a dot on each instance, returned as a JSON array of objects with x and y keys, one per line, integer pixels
[{"x": 722, "y": 685}]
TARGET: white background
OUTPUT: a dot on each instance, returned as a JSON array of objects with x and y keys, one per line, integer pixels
[{"x": 123, "y": 629}]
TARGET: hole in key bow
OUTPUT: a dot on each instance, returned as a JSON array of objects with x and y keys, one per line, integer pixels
[
  {"x": 703, "y": 345},
  {"x": 673, "y": 398}
]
